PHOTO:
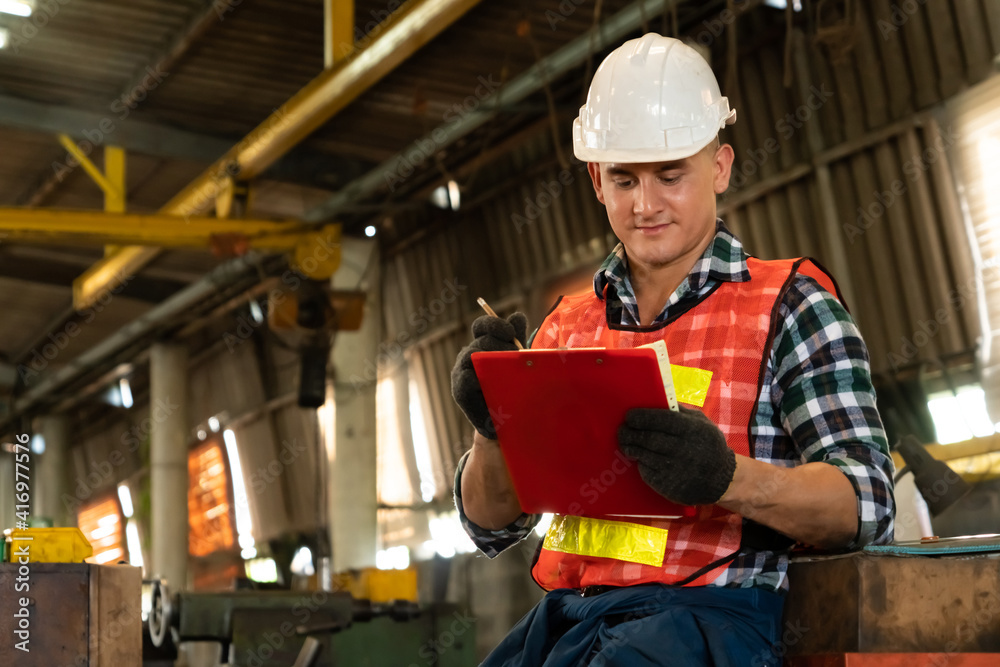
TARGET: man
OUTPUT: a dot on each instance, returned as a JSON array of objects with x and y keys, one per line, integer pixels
[{"x": 787, "y": 446}]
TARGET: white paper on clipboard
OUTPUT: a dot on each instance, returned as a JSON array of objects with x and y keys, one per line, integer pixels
[{"x": 660, "y": 347}]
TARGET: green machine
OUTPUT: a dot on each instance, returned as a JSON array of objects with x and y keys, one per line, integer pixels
[{"x": 311, "y": 629}]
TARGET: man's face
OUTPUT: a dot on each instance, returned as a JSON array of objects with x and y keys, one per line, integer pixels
[{"x": 664, "y": 212}]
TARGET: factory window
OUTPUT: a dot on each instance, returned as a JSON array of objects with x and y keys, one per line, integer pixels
[
  {"x": 209, "y": 500},
  {"x": 102, "y": 525},
  {"x": 395, "y": 486}
]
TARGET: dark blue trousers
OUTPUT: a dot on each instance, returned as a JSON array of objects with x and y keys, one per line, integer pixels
[{"x": 643, "y": 626}]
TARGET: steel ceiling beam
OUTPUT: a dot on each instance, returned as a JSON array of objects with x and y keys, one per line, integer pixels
[
  {"x": 574, "y": 54},
  {"x": 408, "y": 29},
  {"x": 145, "y": 77},
  {"x": 134, "y": 135}
]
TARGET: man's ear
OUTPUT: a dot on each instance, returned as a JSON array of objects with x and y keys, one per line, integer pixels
[
  {"x": 594, "y": 169},
  {"x": 723, "y": 165}
]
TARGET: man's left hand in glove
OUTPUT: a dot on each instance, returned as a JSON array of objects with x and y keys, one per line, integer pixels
[{"x": 682, "y": 455}]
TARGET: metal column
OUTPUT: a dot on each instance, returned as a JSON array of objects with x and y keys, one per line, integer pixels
[
  {"x": 353, "y": 494},
  {"x": 168, "y": 463},
  {"x": 52, "y": 471}
]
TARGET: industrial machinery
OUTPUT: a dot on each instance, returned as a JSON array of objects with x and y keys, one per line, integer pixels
[{"x": 311, "y": 629}]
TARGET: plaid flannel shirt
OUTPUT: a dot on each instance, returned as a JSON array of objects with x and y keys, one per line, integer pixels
[{"x": 817, "y": 402}]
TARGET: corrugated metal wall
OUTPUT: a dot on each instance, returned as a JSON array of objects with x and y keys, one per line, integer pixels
[{"x": 848, "y": 164}]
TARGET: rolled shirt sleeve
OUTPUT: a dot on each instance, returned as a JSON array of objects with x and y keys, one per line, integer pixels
[
  {"x": 823, "y": 392},
  {"x": 491, "y": 542}
]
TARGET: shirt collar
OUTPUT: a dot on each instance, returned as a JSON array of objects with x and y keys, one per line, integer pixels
[{"x": 724, "y": 260}]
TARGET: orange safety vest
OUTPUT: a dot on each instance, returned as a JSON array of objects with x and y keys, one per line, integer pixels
[{"x": 728, "y": 333}]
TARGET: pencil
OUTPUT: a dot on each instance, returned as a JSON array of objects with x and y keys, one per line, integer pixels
[{"x": 489, "y": 311}]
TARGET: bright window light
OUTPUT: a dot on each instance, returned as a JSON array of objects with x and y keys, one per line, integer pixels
[
  {"x": 454, "y": 195},
  {"x": 447, "y": 535},
  {"x": 421, "y": 446},
  {"x": 393, "y": 558},
  {"x": 961, "y": 415},
  {"x": 244, "y": 526},
  {"x": 38, "y": 444},
  {"x": 302, "y": 563},
  {"x": 4, "y": 38},
  {"x": 108, "y": 556},
  {"x": 134, "y": 545},
  {"x": 126, "y": 497},
  {"x": 17, "y": 7},
  {"x": 783, "y": 4},
  {"x": 264, "y": 570},
  {"x": 126, "y": 391},
  {"x": 370, "y": 231},
  {"x": 543, "y": 524}
]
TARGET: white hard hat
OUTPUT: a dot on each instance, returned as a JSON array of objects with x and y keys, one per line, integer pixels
[{"x": 653, "y": 99}]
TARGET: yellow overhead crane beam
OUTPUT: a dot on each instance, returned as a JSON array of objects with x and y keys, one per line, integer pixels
[{"x": 315, "y": 251}]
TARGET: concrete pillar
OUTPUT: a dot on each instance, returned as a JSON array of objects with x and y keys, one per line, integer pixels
[
  {"x": 353, "y": 494},
  {"x": 168, "y": 463},
  {"x": 52, "y": 472}
]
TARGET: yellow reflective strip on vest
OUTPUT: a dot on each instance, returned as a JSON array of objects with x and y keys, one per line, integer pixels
[
  {"x": 631, "y": 542},
  {"x": 691, "y": 384}
]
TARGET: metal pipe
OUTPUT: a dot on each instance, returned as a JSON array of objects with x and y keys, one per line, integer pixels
[
  {"x": 549, "y": 68},
  {"x": 221, "y": 276},
  {"x": 408, "y": 29}
]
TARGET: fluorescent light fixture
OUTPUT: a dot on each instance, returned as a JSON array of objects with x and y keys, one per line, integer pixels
[
  {"x": 126, "y": 391},
  {"x": 126, "y": 498},
  {"x": 255, "y": 312},
  {"x": 17, "y": 7},
  {"x": 134, "y": 545},
  {"x": 4, "y": 38},
  {"x": 370, "y": 231},
  {"x": 38, "y": 444}
]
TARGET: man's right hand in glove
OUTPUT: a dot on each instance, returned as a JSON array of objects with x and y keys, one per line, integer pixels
[{"x": 492, "y": 334}]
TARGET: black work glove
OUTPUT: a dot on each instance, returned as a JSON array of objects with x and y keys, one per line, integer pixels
[
  {"x": 492, "y": 334},
  {"x": 682, "y": 455}
]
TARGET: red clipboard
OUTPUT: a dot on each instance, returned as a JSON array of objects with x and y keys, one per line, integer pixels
[{"x": 557, "y": 414}]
